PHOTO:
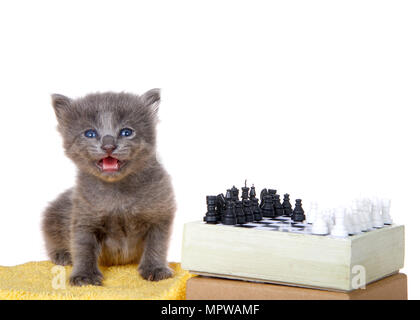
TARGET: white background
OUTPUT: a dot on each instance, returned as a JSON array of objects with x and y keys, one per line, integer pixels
[{"x": 319, "y": 99}]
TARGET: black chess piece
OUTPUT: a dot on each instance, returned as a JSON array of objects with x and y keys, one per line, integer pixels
[
  {"x": 267, "y": 208},
  {"x": 235, "y": 193},
  {"x": 298, "y": 213},
  {"x": 249, "y": 216},
  {"x": 220, "y": 206},
  {"x": 263, "y": 193},
  {"x": 239, "y": 212},
  {"x": 272, "y": 191},
  {"x": 278, "y": 208},
  {"x": 229, "y": 216},
  {"x": 229, "y": 195},
  {"x": 287, "y": 206},
  {"x": 256, "y": 210},
  {"x": 245, "y": 191},
  {"x": 211, "y": 215},
  {"x": 252, "y": 193}
]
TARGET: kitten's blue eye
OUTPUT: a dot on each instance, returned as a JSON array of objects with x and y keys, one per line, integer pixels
[
  {"x": 126, "y": 132},
  {"x": 91, "y": 133}
]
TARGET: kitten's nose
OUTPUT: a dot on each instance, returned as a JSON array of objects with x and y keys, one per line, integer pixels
[{"x": 108, "y": 144}]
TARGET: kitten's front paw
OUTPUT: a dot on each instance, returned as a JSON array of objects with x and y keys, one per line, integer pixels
[
  {"x": 61, "y": 257},
  {"x": 86, "y": 278},
  {"x": 155, "y": 273}
]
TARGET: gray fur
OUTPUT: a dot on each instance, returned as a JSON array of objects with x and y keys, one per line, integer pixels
[{"x": 111, "y": 218}]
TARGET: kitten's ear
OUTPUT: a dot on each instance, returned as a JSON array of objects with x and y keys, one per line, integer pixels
[
  {"x": 151, "y": 99},
  {"x": 61, "y": 105}
]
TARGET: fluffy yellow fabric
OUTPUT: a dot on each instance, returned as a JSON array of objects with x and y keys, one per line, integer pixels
[{"x": 37, "y": 280}]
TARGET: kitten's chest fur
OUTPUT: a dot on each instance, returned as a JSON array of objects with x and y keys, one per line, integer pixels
[
  {"x": 121, "y": 239},
  {"x": 121, "y": 235},
  {"x": 122, "y": 215}
]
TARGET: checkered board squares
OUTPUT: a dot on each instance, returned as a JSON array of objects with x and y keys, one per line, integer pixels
[{"x": 283, "y": 224}]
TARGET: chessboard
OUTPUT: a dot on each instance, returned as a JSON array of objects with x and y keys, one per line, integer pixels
[
  {"x": 273, "y": 214},
  {"x": 282, "y": 252},
  {"x": 335, "y": 249},
  {"x": 283, "y": 224}
]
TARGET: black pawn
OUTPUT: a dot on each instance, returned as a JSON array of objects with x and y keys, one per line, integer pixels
[
  {"x": 229, "y": 217},
  {"x": 256, "y": 210},
  {"x": 211, "y": 215},
  {"x": 229, "y": 195},
  {"x": 239, "y": 212},
  {"x": 245, "y": 191},
  {"x": 235, "y": 193},
  {"x": 249, "y": 216},
  {"x": 267, "y": 208},
  {"x": 278, "y": 208},
  {"x": 298, "y": 213},
  {"x": 252, "y": 193},
  {"x": 287, "y": 206}
]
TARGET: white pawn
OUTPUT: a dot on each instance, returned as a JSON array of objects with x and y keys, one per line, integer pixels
[
  {"x": 358, "y": 217},
  {"x": 363, "y": 222},
  {"x": 331, "y": 215},
  {"x": 329, "y": 221},
  {"x": 312, "y": 212},
  {"x": 386, "y": 206},
  {"x": 348, "y": 221},
  {"x": 368, "y": 219},
  {"x": 365, "y": 211},
  {"x": 320, "y": 226},
  {"x": 376, "y": 215},
  {"x": 339, "y": 229},
  {"x": 328, "y": 215},
  {"x": 367, "y": 205},
  {"x": 356, "y": 224}
]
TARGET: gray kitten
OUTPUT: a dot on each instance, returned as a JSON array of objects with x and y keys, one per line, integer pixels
[{"x": 122, "y": 207}]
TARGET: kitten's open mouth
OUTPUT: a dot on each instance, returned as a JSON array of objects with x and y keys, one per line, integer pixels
[{"x": 110, "y": 164}]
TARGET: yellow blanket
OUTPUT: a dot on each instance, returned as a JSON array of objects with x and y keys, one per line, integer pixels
[{"x": 44, "y": 280}]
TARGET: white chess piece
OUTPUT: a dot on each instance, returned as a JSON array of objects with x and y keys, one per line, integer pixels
[
  {"x": 348, "y": 221},
  {"x": 312, "y": 212},
  {"x": 365, "y": 212},
  {"x": 363, "y": 222},
  {"x": 368, "y": 218},
  {"x": 386, "y": 206},
  {"x": 376, "y": 215},
  {"x": 339, "y": 229},
  {"x": 357, "y": 225},
  {"x": 329, "y": 221},
  {"x": 320, "y": 225},
  {"x": 331, "y": 215},
  {"x": 367, "y": 205},
  {"x": 358, "y": 217}
]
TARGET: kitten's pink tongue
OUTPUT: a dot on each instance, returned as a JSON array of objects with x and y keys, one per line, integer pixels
[{"x": 110, "y": 164}]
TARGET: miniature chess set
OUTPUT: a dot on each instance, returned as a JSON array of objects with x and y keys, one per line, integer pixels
[
  {"x": 365, "y": 215},
  {"x": 267, "y": 240}
]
